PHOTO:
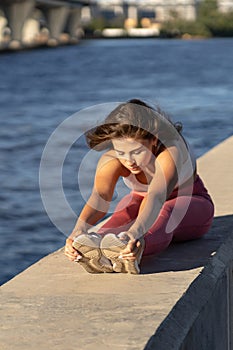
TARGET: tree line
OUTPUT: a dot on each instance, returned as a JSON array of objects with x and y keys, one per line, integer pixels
[{"x": 210, "y": 22}]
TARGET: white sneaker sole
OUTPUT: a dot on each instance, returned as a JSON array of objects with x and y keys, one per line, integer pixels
[
  {"x": 111, "y": 247},
  {"x": 91, "y": 255}
]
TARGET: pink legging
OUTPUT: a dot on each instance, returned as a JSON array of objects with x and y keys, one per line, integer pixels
[{"x": 194, "y": 224}]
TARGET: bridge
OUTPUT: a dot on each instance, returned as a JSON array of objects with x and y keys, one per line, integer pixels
[
  {"x": 21, "y": 21},
  {"x": 53, "y": 22}
]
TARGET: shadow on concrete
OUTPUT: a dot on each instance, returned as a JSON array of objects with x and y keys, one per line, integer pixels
[{"x": 191, "y": 254}]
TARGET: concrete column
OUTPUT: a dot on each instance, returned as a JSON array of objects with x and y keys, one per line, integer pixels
[
  {"x": 56, "y": 18},
  {"x": 30, "y": 32},
  {"x": 95, "y": 10},
  {"x": 73, "y": 25},
  {"x": 133, "y": 13},
  {"x": 16, "y": 15},
  {"x": 86, "y": 14},
  {"x": 3, "y": 23}
]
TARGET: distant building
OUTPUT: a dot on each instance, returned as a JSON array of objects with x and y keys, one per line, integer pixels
[
  {"x": 225, "y": 5},
  {"x": 156, "y": 10}
]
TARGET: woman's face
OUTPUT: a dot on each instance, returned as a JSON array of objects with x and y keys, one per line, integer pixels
[{"x": 134, "y": 154}]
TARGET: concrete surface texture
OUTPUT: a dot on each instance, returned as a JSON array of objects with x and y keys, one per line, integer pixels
[
  {"x": 55, "y": 304},
  {"x": 216, "y": 170}
]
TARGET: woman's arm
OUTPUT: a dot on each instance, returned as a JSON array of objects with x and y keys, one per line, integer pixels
[
  {"x": 106, "y": 177},
  {"x": 107, "y": 174},
  {"x": 167, "y": 166}
]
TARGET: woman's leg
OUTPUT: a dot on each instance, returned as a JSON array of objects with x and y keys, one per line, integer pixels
[
  {"x": 124, "y": 215},
  {"x": 197, "y": 220},
  {"x": 156, "y": 239},
  {"x": 195, "y": 223}
]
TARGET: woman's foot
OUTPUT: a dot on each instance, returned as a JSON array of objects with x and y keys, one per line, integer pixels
[
  {"x": 92, "y": 259},
  {"x": 112, "y": 246}
]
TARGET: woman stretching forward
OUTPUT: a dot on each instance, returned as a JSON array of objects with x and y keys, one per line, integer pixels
[{"x": 168, "y": 201}]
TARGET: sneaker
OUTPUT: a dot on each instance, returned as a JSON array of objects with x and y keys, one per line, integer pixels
[
  {"x": 92, "y": 259},
  {"x": 112, "y": 246}
]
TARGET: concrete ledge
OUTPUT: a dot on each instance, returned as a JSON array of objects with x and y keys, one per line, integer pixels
[
  {"x": 216, "y": 170},
  {"x": 182, "y": 300},
  {"x": 202, "y": 318}
]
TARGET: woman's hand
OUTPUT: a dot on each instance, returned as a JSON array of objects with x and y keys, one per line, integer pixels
[
  {"x": 71, "y": 253},
  {"x": 133, "y": 247}
]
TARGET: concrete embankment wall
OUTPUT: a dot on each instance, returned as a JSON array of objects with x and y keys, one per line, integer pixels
[
  {"x": 182, "y": 300},
  {"x": 203, "y": 318}
]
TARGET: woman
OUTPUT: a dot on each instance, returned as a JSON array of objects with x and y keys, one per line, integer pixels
[{"x": 168, "y": 201}]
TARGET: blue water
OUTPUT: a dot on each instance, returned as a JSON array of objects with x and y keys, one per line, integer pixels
[{"x": 191, "y": 80}]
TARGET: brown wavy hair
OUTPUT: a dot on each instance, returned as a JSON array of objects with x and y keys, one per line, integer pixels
[{"x": 133, "y": 119}]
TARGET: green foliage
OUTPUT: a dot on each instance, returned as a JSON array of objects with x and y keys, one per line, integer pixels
[
  {"x": 210, "y": 22},
  {"x": 117, "y": 22},
  {"x": 178, "y": 28},
  {"x": 96, "y": 24},
  {"x": 207, "y": 9},
  {"x": 101, "y": 22},
  {"x": 221, "y": 25}
]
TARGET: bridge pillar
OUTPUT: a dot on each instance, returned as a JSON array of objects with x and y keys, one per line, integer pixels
[
  {"x": 133, "y": 13},
  {"x": 86, "y": 14},
  {"x": 16, "y": 14},
  {"x": 3, "y": 23},
  {"x": 56, "y": 18},
  {"x": 73, "y": 26},
  {"x": 31, "y": 30}
]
